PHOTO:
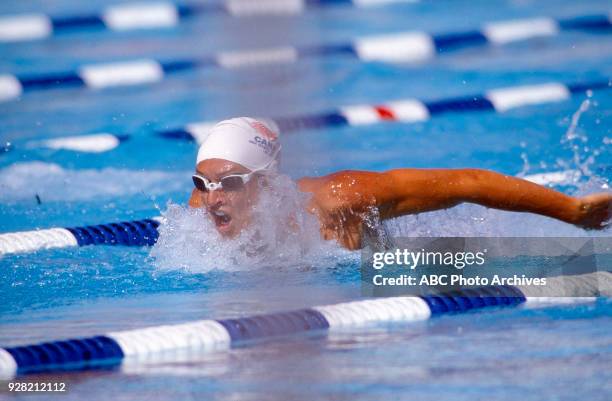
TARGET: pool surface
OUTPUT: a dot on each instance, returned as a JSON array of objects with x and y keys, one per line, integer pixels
[{"x": 555, "y": 353}]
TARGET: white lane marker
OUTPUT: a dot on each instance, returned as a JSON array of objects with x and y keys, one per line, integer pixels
[
  {"x": 96, "y": 143},
  {"x": 504, "y": 99},
  {"x": 10, "y": 87},
  {"x": 147, "y": 343},
  {"x": 358, "y": 313},
  {"x": 243, "y": 8},
  {"x": 510, "y": 31},
  {"x": 360, "y": 115},
  {"x": 8, "y": 366},
  {"x": 409, "y": 110},
  {"x": 278, "y": 55},
  {"x": 122, "y": 73},
  {"x": 403, "y": 47},
  {"x": 140, "y": 15},
  {"x": 25, "y": 27},
  {"x": 28, "y": 241}
]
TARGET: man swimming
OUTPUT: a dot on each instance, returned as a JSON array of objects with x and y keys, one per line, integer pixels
[{"x": 238, "y": 155}]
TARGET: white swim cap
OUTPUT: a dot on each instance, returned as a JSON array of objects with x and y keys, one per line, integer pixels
[{"x": 250, "y": 142}]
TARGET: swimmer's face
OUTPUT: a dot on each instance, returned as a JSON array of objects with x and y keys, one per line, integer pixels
[{"x": 229, "y": 210}]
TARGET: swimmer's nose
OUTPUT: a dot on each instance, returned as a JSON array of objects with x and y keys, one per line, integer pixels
[{"x": 214, "y": 199}]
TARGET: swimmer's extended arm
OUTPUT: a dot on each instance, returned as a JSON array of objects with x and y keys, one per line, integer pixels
[
  {"x": 407, "y": 191},
  {"x": 415, "y": 190}
]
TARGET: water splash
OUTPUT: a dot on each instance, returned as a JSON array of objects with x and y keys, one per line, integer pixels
[
  {"x": 575, "y": 173},
  {"x": 576, "y": 140},
  {"x": 469, "y": 220},
  {"x": 188, "y": 239},
  {"x": 526, "y": 165},
  {"x": 583, "y": 155}
]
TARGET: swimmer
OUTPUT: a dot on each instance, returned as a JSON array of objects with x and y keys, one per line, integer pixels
[{"x": 238, "y": 154}]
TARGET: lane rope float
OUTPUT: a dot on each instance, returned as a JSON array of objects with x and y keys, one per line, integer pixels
[
  {"x": 127, "y": 233},
  {"x": 158, "y": 14},
  {"x": 498, "y": 100},
  {"x": 150, "y": 344},
  {"x": 402, "y": 47}
]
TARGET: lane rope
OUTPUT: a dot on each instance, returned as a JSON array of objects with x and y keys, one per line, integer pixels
[
  {"x": 126, "y": 233},
  {"x": 141, "y": 346},
  {"x": 498, "y": 100},
  {"x": 404, "y": 47},
  {"x": 159, "y": 14}
]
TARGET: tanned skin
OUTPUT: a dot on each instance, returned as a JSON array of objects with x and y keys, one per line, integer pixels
[{"x": 341, "y": 201}]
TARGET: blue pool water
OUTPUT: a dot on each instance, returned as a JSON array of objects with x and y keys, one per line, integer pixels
[{"x": 557, "y": 353}]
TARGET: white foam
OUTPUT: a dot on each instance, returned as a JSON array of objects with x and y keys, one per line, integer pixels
[
  {"x": 554, "y": 177},
  {"x": 23, "y": 181},
  {"x": 188, "y": 240},
  {"x": 470, "y": 220}
]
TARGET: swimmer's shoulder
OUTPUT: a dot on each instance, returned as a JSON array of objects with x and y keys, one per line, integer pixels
[
  {"x": 315, "y": 184},
  {"x": 359, "y": 189},
  {"x": 346, "y": 184},
  {"x": 349, "y": 177}
]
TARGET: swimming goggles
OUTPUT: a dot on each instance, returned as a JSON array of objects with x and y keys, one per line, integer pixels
[{"x": 233, "y": 182}]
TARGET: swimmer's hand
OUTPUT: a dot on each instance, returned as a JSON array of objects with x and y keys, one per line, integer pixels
[{"x": 594, "y": 211}]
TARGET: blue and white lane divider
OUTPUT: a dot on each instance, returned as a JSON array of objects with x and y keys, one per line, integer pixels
[
  {"x": 127, "y": 233},
  {"x": 414, "y": 110},
  {"x": 399, "y": 47},
  {"x": 151, "y": 344},
  {"x": 157, "y": 14},
  {"x": 144, "y": 232},
  {"x": 402, "y": 110},
  {"x": 92, "y": 143}
]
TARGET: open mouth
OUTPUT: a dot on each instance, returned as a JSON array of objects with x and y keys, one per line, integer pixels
[{"x": 221, "y": 219}]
